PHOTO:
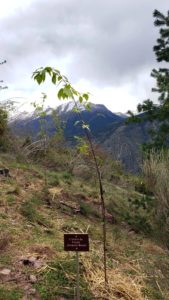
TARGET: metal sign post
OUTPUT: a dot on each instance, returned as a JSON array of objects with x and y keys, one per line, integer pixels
[
  {"x": 76, "y": 242},
  {"x": 78, "y": 277}
]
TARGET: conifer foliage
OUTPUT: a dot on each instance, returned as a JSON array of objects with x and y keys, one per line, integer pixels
[{"x": 159, "y": 112}]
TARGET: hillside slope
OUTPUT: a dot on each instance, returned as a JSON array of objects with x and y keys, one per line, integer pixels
[
  {"x": 123, "y": 142},
  {"x": 33, "y": 264}
]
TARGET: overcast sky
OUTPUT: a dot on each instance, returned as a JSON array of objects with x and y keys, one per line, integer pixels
[{"x": 104, "y": 47}]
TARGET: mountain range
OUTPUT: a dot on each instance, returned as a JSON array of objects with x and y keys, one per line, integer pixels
[{"x": 108, "y": 129}]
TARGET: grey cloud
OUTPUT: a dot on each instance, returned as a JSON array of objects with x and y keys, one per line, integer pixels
[{"x": 108, "y": 41}]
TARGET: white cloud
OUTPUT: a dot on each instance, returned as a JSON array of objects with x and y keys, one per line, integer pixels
[
  {"x": 104, "y": 47},
  {"x": 9, "y": 7}
]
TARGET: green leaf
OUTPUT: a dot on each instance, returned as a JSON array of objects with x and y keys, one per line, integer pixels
[
  {"x": 84, "y": 148},
  {"x": 54, "y": 78},
  {"x": 33, "y": 104},
  {"x": 43, "y": 114},
  {"x": 65, "y": 79},
  {"x": 80, "y": 99},
  {"x": 38, "y": 78},
  {"x": 43, "y": 75},
  {"x": 88, "y": 106},
  {"x": 56, "y": 71},
  {"x": 86, "y": 96},
  {"x": 48, "y": 70},
  {"x": 76, "y": 93},
  {"x": 60, "y": 93},
  {"x": 67, "y": 91},
  {"x": 76, "y": 110}
]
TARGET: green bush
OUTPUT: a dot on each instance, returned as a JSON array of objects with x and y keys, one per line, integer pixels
[
  {"x": 53, "y": 178},
  {"x": 139, "y": 212},
  {"x": 29, "y": 211},
  {"x": 89, "y": 210},
  {"x": 67, "y": 176}
]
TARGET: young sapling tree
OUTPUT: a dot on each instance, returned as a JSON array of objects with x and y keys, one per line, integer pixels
[{"x": 67, "y": 91}]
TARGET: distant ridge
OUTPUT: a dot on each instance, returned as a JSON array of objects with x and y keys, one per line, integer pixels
[{"x": 122, "y": 141}]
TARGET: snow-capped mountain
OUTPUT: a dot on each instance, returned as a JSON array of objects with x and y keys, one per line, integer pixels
[
  {"x": 108, "y": 129},
  {"x": 99, "y": 117},
  {"x": 68, "y": 107}
]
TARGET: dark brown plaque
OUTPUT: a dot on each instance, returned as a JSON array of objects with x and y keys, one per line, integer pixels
[{"x": 76, "y": 242}]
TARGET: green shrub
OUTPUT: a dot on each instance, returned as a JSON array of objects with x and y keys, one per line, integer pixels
[
  {"x": 139, "y": 212},
  {"x": 89, "y": 210},
  {"x": 53, "y": 178},
  {"x": 29, "y": 211},
  {"x": 67, "y": 176},
  {"x": 37, "y": 199}
]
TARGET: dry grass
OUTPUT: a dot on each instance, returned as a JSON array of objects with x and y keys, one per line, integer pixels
[
  {"x": 153, "y": 249},
  {"x": 125, "y": 280},
  {"x": 120, "y": 285},
  {"x": 42, "y": 249},
  {"x": 156, "y": 171},
  {"x": 127, "y": 265}
]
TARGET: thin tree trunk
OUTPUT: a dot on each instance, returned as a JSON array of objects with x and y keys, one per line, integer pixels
[
  {"x": 45, "y": 161},
  {"x": 88, "y": 137}
]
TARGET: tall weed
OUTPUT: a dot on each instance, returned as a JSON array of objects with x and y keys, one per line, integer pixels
[{"x": 156, "y": 172}]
